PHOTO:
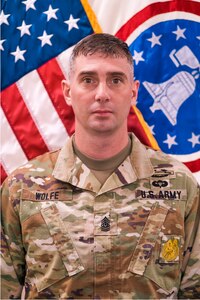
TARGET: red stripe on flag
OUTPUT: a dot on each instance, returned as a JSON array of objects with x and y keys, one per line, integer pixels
[
  {"x": 22, "y": 123},
  {"x": 155, "y": 9},
  {"x": 135, "y": 126},
  {"x": 194, "y": 166},
  {"x": 51, "y": 76},
  {"x": 3, "y": 174}
]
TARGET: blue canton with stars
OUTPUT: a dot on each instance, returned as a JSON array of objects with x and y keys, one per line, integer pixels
[
  {"x": 167, "y": 64},
  {"x": 34, "y": 31}
]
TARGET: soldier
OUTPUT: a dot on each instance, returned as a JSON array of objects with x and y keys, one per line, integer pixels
[{"x": 105, "y": 217}]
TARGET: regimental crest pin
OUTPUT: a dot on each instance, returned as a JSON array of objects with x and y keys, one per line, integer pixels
[
  {"x": 105, "y": 224},
  {"x": 170, "y": 250}
]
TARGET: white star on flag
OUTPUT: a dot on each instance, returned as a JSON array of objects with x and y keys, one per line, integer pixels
[
  {"x": 170, "y": 141},
  {"x": 45, "y": 38},
  {"x": 1, "y": 45},
  {"x": 51, "y": 13},
  {"x": 29, "y": 4},
  {"x": 24, "y": 29},
  {"x": 3, "y": 18},
  {"x": 19, "y": 54},
  {"x": 194, "y": 139},
  {"x": 72, "y": 23},
  {"x": 154, "y": 40},
  {"x": 152, "y": 129},
  {"x": 138, "y": 56},
  {"x": 179, "y": 33}
]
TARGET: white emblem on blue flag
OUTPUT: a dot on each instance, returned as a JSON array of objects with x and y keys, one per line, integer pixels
[{"x": 167, "y": 64}]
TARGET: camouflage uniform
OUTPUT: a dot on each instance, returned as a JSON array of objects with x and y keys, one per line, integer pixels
[{"x": 68, "y": 237}]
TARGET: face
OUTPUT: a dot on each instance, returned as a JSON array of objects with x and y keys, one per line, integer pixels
[{"x": 101, "y": 91}]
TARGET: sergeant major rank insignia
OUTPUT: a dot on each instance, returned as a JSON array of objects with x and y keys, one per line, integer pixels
[{"x": 105, "y": 224}]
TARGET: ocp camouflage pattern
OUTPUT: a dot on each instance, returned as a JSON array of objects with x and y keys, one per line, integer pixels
[{"x": 64, "y": 236}]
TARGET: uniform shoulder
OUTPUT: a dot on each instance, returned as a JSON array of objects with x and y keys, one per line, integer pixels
[
  {"x": 39, "y": 167},
  {"x": 164, "y": 160}
]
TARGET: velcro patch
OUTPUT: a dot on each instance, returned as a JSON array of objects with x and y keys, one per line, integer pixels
[
  {"x": 170, "y": 194},
  {"x": 61, "y": 195}
]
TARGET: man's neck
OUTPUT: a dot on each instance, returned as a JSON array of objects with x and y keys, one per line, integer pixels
[{"x": 101, "y": 146}]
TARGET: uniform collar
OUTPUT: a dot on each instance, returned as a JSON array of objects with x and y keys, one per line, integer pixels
[{"x": 69, "y": 168}]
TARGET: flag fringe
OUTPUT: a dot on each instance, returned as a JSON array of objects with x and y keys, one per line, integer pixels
[{"x": 91, "y": 16}]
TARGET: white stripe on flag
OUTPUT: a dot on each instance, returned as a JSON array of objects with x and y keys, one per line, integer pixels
[
  {"x": 12, "y": 155},
  {"x": 108, "y": 18},
  {"x": 63, "y": 60},
  {"x": 42, "y": 110}
]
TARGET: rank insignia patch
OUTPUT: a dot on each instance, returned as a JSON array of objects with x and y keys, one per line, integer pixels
[{"x": 105, "y": 224}]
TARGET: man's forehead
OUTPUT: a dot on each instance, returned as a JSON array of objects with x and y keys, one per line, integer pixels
[
  {"x": 99, "y": 55},
  {"x": 91, "y": 63},
  {"x": 100, "y": 64}
]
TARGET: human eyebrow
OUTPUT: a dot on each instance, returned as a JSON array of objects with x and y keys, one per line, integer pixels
[
  {"x": 120, "y": 74},
  {"x": 86, "y": 73}
]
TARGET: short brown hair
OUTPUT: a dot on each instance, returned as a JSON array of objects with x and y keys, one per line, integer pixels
[{"x": 104, "y": 43}]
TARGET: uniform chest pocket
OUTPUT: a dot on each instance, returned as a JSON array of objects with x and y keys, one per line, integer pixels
[
  {"x": 51, "y": 255},
  {"x": 147, "y": 241},
  {"x": 157, "y": 255}
]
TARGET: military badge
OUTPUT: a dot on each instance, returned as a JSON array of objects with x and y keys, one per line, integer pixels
[
  {"x": 105, "y": 224},
  {"x": 170, "y": 250}
]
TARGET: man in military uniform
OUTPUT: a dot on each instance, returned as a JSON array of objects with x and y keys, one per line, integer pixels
[{"x": 105, "y": 217}]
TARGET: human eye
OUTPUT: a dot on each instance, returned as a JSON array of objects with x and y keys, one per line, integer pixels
[
  {"x": 87, "y": 80},
  {"x": 116, "y": 80}
]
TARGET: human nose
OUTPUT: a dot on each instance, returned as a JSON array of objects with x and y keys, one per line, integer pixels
[{"x": 102, "y": 93}]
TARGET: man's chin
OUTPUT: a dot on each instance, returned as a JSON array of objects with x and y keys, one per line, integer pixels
[{"x": 102, "y": 129}]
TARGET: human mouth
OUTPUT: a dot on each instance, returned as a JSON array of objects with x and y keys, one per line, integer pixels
[{"x": 102, "y": 112}]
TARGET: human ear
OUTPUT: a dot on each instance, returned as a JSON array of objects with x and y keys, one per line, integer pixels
[
  {"x": 66, "y": 91},
  {"x": 136, "y": 85}
]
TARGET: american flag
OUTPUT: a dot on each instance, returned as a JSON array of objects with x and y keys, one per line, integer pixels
[{"x": 37, "y": 38}]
